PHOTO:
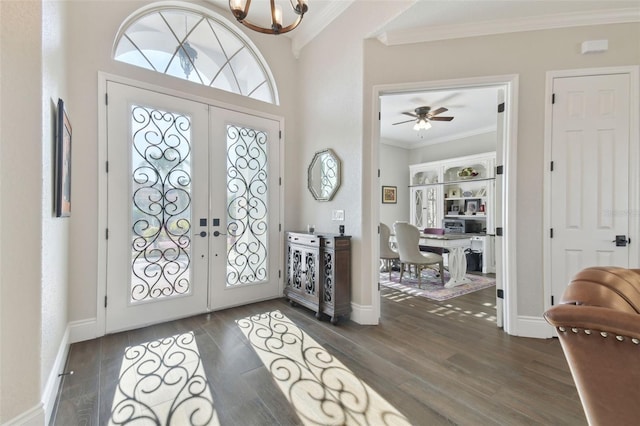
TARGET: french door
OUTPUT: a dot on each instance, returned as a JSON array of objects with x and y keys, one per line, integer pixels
[
  {"x": 244, "y": 229},
  {"x": 193, "y": 208}
]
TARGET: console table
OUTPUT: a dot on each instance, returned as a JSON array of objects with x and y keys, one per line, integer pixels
[{"x": 319, "y": 273}]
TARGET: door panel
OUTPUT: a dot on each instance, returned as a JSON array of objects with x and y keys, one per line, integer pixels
[
  {"x": 193, "y": 208},
  {"x": 590, "y": 178},
  {"x": 245, "y": 200},
  {"x": 157, "y": 191}
]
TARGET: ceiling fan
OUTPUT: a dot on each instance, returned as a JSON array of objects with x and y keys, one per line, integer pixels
[{"x": 423, "y": 115}]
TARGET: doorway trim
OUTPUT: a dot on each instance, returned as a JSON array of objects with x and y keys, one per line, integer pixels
[
  {"x": 92, "y": 329},
  {"x": 508, "y": 160},
  {"x": 634, "y": 170}
]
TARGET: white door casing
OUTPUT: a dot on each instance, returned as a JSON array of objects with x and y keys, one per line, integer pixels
[
  {"x": 590, "y": 182},
  {"x": 505, "y": 246},
  {"x": 499, "y": 206}
]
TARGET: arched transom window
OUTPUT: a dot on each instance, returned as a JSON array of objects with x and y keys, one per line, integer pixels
[{"x": 197, "y": 46}]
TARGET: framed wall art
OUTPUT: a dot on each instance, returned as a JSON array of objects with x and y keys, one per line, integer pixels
[
  {"x": 389, "y": 194},
  {"x": 63, "y": 163}
]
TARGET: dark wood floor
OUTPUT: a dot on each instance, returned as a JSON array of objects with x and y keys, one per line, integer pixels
[{"x": 438, "y": 363}]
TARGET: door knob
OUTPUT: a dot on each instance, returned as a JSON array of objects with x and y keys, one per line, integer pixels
[
  {"x": 217, "y": 233},
  {"x": 203, "y": 234},
  {"x": 621, "y": 241}
]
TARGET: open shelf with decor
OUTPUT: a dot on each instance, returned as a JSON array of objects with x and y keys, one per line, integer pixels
[{"x": 457, "y": 194}]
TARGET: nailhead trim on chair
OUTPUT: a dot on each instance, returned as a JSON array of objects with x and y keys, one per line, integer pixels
[{"x": 604, "y": 334}]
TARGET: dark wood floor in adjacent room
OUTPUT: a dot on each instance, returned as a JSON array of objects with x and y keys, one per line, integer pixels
[{"x": 437, "y": 363}]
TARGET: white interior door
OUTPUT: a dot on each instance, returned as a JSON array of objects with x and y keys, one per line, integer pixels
[
  {"x": 157, "y": 192},
  {"x": 245, "y": 234},
  {"x": 590, "y": 177}
]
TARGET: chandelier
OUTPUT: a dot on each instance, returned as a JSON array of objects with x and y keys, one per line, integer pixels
[
  {"x": 240, "y": 9},
  {"x": 187, "y": 55}
]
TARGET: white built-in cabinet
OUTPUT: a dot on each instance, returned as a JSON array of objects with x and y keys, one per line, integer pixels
[{"x": 457, "y": 191}]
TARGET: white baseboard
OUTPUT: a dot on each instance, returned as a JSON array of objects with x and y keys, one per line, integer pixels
[
  {"x": 82, "y": 330},
  {"x": 363, "y": 314},
  {"x": 32, "y": 417},
  {"x": 535, "y": 327},
  {"x": 53, "y": 382}
]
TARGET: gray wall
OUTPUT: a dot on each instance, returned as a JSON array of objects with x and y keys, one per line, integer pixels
[
  {"x": 394, "y": 171},
  {"x": 477, "y": 144}
]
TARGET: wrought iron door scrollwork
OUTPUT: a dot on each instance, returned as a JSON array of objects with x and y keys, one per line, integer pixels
[
  {"x": 247, "y": 205},
  {"x": 161, "y": 203}
]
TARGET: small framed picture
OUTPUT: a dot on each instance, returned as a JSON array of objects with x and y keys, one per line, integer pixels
[
  {"x": 63, "y": 163},
  {"x": 471, "y": 206},
  {"x": 453, "y": 193},
  {"x": 389, "y": 194},
  {"x": 455, "y": 208}
]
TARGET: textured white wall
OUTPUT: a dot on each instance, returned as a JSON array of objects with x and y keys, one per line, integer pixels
[
  {"x": 394, "y": 171},
  {"x": 530, "y": 55},
  {"x": 92, "y": 29},
  {"x": 55, "y": 231},
  {"x": 21, "y": 194},
  {"x": 331, "y": 115}
]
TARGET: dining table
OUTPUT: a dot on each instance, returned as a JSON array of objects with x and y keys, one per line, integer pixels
[{"x": 456, "y": 244}]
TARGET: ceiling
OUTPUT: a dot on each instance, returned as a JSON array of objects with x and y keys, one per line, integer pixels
[
  {"x": 474, "y": 111},
  {"x": 426, "y": 20}
]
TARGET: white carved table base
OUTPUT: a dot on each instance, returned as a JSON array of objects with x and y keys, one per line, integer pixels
[{"x": 457, "y": 267}]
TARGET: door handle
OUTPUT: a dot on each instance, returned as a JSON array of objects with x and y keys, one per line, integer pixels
[
  {"x": 621, "y": 241},
  {"x": 217, "y": 233},
  {"x": 203, "y": 234}
]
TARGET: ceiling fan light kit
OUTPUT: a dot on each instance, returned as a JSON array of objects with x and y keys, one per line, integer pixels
[
  {"x": 422, "y": 116},
  {"x": 421, "y": 125},
  {"x": 240, "y": 9}
]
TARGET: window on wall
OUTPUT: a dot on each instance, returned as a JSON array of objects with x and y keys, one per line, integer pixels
[{"x": 196, "y": 46}]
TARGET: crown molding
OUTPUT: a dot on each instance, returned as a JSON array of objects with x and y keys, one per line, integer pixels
[
  {"x": 449, "y": 138},
  {"x": 311, "y": 27},
  {"x": 533, "y": 23}
]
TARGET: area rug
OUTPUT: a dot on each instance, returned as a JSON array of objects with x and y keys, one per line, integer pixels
[{"x": 432, "y": 286}]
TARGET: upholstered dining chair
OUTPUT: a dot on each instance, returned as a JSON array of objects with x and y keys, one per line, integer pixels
[
  {"x": 408, "y": 239},
  {"x": 387, "y": 254}
]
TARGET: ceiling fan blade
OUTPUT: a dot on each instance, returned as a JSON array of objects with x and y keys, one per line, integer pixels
[
  {"x": 441, "y": 119},
  {"x": 402, "y": 122},
  {"x": 410, "y": 114},
  {"x": 438, "y": 111}
]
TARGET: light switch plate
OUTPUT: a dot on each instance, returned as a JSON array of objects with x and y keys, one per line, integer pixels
[{"x": 337, "y": 215}]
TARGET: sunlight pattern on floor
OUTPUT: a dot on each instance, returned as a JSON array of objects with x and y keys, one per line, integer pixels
[
  {"x": 162, "y": 382},
  {"x": 319, "y": 387},
  {"x": 449, "y": 309}
]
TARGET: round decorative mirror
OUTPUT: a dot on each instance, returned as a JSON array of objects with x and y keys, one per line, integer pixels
[{"x": 324, "y": 175}]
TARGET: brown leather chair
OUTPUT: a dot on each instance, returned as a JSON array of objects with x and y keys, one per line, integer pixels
[{"x": 598, "y": 324}]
